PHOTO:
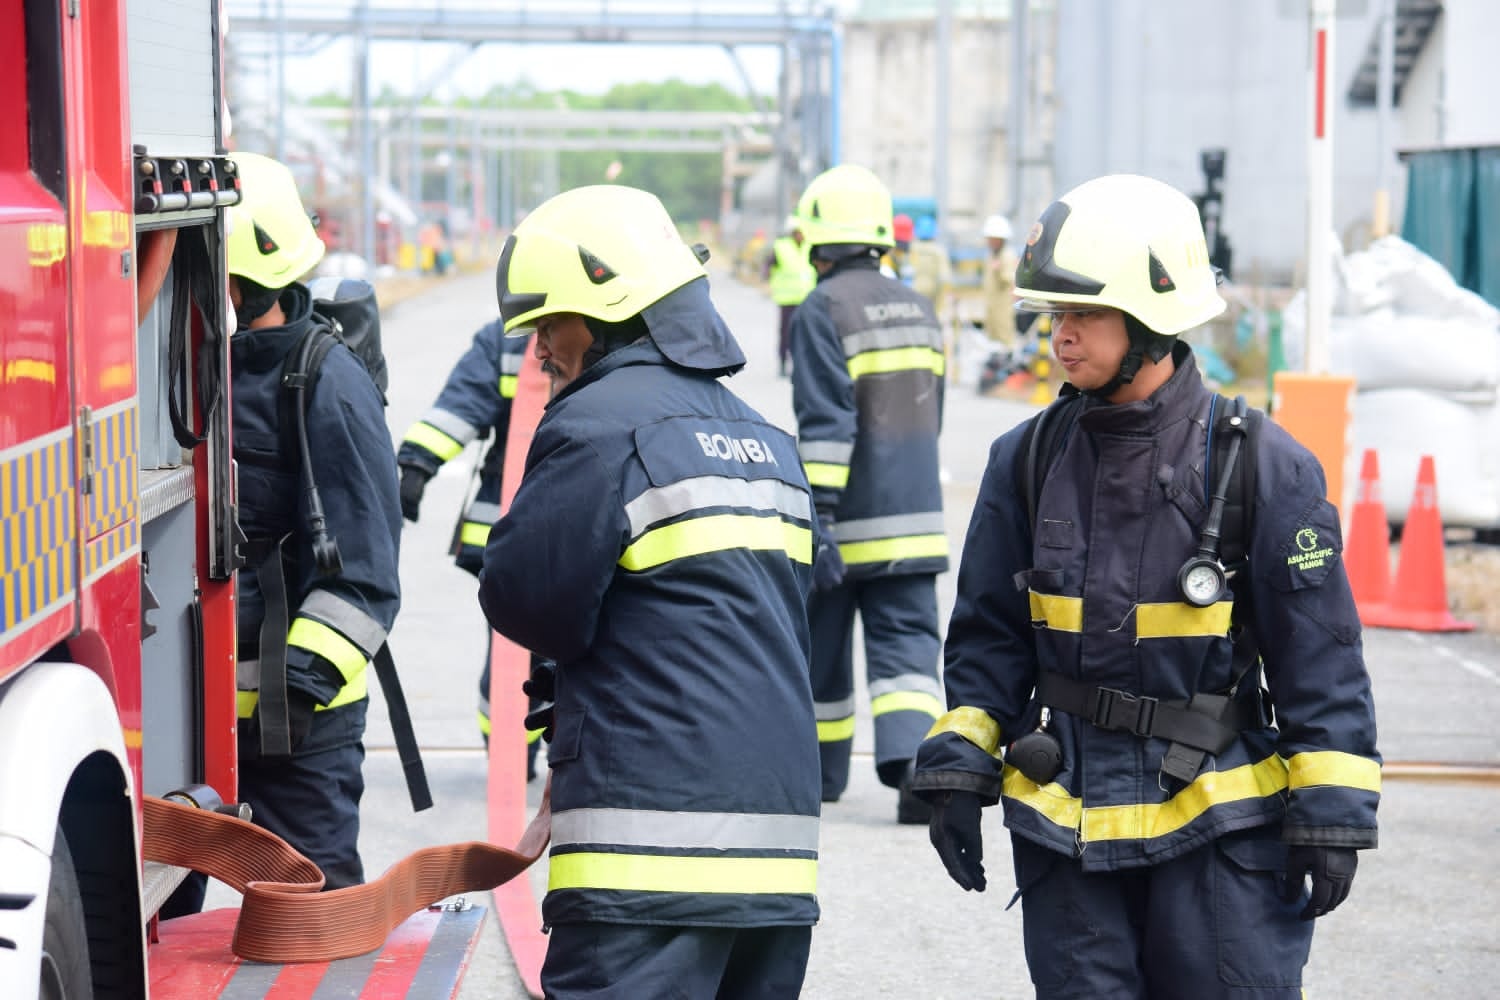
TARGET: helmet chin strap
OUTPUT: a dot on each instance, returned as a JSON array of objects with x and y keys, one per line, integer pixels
[{"x": 1144, "y": 342}]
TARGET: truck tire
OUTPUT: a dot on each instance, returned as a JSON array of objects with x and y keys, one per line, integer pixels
[{"x": 65, "y": 941}]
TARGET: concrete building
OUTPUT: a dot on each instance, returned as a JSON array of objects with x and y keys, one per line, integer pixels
[
  {"x": 1145, "y": 85},
  {"x": 894, "y": 68}
]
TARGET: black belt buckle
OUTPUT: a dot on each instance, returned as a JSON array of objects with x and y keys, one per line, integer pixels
[{"x": 1121, "y": 710}]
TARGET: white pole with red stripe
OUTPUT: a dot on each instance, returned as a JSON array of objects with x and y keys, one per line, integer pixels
[{"x": 1319, "y": 183}]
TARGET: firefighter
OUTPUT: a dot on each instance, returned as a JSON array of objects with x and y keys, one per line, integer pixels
[
  {"x": 867, "y": 388},
  {"x": 474, "y": 403},
  {"x": 659, "y": 551},
  {"x": 308, "y": 632},
  {"x": 998, "y": 282},
  {"x": 791, "y": 277},
  {"x": 1207, "y": 771}
]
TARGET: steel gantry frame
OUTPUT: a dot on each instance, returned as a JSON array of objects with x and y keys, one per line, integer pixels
[{"x": 806, "y": 140}]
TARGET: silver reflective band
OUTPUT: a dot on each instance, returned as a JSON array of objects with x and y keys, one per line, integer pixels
[
  {"x": 891, "y": 337},
  {"x": 906, "y": 682},
  {"x": 482, "y": 512},
  {"x": 685, "y": 830},
  {"x": 685, "y": 496},
  {"x": 450, "y": 424},
  {"x": 832, "y": 711},
  {"x": 511, "y": 364},
  {"x": 892, "y": 526},
  {"x": 835, "y": 452},
  {"x": 247, "y": 675},
  {"x": 337, "y": 613}
]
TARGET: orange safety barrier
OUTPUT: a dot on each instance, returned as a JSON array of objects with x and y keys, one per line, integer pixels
[
  {"x": 1315, "y": 409},
  {"x": 1367, "y": 552},
  {"x": 1419, "y": 593}
]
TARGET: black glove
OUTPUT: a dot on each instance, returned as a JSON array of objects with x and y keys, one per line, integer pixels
[
  {"x": 954, "y": 831},
  {"x": 541, "y": 688},
  {"x": 413, "y": 483},
  {"x": 1332, "y": 872},
  {"x": 300, "y": 707},
  {"x": 828, "y": 565}
]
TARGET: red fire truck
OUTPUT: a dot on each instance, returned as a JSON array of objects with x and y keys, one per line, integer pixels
[{"x": 117, "y": 509}]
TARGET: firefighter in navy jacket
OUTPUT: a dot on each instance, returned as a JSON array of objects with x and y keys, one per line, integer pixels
[
  {"x": 324, "y": 627},
  {"x": 1149, "y": 864},
  {"x": 867, "y": 386},
  {"x": 474, "y": 403},
  {"x": 659, "y": 550}
]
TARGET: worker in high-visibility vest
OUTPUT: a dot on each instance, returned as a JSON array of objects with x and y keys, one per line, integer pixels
[{"x": 791, "y": 277}]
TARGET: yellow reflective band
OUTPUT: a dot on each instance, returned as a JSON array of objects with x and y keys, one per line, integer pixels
[
  {"x": 651, "y": 873},
  {"x": 508, "y": 386},
  {"x": 1061, "y": 614},
  {"x": 896, "y": 359},
  {"x": 1175, "y": 620},
  {"x": 532, "y": 735},
  {"x": 245, "y": 702},
  {"x": 973, "y": 724},
  {"x": 316, "y": 637},
  {"x": 826, "y": 474},
  {"x": 1143, "y": 821},
  {"x": 836, "y": 730},
  {"x": 424, "y": 435},
  {"x": 906, "y": 701},
  {"x": 718, "y": 533},
  {"x": 1332, "y": 767},
  {"x": 892, "y": 549},
  {"x": 353, "y": 690},
  {"x": 484, "y": 724},
  {"x": 475, "y": 533}
]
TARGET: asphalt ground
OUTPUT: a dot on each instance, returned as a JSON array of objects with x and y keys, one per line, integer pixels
[{"x": 1423, "y": 919}]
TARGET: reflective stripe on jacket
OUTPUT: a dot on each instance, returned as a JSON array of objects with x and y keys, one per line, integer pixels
[
  {"x": 1130, "y": 481},
  {"x": 344, "y": 619},
  {"x": 659, "y": 549},
  {"x": 867, "y": 386},
  {"x": 474, "y": 402}
]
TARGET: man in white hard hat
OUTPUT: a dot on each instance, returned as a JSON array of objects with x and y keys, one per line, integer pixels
[{"x": 999, "y": 280}]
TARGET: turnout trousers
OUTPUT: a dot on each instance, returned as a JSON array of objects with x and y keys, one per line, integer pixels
[
  {"x": 311, "y": 799},
  {"x": 1208, "y": 925},
  {"x": 601, "y": 961},
  {"x": 902, "y": 647}
]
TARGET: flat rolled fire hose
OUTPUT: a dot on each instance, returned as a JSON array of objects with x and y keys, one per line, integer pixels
[{"x": 286, "y": 918}]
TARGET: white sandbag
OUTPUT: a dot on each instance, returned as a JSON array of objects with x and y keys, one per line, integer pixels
[
  {"x": 1387, "y": 350},
  {"x": 1402, "y": 425}
]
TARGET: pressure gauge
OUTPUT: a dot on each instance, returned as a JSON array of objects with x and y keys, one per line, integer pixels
[{"x": 1201, "y": 581}]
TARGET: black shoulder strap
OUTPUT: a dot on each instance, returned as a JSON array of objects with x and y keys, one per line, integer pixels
[
  {"x": 1041, "y": 442},
  {"x": 299, "y": 371},
  {"x": 1239, "y": 505}
]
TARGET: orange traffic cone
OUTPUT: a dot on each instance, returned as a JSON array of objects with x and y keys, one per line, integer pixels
[
  {"x": 1367, "y": 556},
  {"x": 1419, "y": 595}
]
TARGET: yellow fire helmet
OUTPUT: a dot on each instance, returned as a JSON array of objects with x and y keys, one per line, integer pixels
[
  {"x": 846, "y": 204},
  {"x": 271, "y": 238},
  {"x": 1122, "y": 241},
  {"x": 606, "y": 251}
]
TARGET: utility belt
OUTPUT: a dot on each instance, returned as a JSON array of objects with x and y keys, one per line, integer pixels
[
  {"x": 266, "y": 558},
  {"x": 1205, "y": 723}
]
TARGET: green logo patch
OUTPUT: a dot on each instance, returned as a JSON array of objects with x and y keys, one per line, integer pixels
[{"x": 1308, "y": 556}]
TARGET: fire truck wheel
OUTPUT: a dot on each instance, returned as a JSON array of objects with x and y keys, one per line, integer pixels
[{"x": 65, "y": 943}]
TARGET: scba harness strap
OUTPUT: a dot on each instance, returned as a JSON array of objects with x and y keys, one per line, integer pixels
[{"x": 1207, "y": 722}]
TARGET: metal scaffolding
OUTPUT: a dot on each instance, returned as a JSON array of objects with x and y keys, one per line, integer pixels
[{"x": 804, "y": 140}]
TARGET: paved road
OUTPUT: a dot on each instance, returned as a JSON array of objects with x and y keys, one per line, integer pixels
[{"x": 1423, "y": 918}]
